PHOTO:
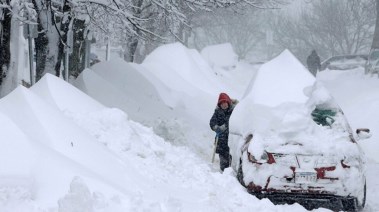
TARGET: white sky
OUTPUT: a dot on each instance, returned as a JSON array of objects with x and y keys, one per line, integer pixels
[{"x": 137, "y": 137}]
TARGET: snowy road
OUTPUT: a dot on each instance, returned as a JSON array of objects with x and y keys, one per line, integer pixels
[{"x": 372, "y": 204}]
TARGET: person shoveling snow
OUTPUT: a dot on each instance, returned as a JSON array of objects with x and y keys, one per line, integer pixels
[{"x": 220, "y": 124}]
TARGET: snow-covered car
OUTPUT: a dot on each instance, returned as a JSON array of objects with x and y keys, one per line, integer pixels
[
  {"x": 287, "y": 169},
  {"x": 372, "y": 64},
  {"x": 296, "y": 143},
  {"x": 344, "y": 62}
]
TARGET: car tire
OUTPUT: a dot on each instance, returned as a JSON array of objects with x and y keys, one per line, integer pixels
[
  {"x": 240, "y": 174},
  {"x": 355, "y": 204}
]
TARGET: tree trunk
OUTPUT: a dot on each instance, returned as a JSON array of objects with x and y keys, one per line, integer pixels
[
  {"x": 46, "y": 44},
  {"x": 41, "y": 52},
  {"x": 77, "y": 58},
  {"x": 64, "y": 29},
  {"x": 132, "y": 45},
  {"x": 133, "y": 40},
  {"x": 10, "y": 81},
  {"x": 41, "y": 43},
  {"x": 5, "y": 37},
  {"x": 375, "y": 42}
]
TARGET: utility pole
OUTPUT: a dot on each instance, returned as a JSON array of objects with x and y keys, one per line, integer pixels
[
  {"x": 108, "y": 51},
  {"x": 88, "y": 51}
]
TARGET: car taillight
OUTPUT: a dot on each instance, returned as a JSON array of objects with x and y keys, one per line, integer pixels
[
  {"x": 321, "y": 173},
  {"x": 265, "y": 158}
]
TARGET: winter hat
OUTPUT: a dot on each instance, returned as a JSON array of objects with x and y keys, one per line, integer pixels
[{"x": 223, "y": 97}]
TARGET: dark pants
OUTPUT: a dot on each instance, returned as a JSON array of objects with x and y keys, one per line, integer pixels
[
  {"x": 313, "y": 71},
  {"x": 225, "y": 160}
]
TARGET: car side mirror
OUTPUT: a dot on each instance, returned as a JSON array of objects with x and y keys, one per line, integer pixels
[{"x": 363, "y": 133}]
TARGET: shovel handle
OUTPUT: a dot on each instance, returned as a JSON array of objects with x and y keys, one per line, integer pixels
[{"x": 214, "y": 148}]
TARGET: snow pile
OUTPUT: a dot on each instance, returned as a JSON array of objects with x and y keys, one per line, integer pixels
[
  {"x": 132, "y": 89},
  {"x": 221, "y": 56},
  {"x": 119, "y": 82},
  {"x": 54, "y": 142},
  {"x": 184, "y": 68},
  {"x": 172, "y": 91},
  {"x": 73, "y": 154},
  {"x": 190, "y": 79},
  {"x": 283, "y": 79},
  {"x": 284, "y": 120}
]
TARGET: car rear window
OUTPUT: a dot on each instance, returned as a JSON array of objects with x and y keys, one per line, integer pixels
[{"x": 324, "y": 117}]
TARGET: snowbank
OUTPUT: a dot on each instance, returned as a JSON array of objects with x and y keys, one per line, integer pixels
[
  {"x": 220, "y": 56},
  {"x": 184, "y": 68},
  {"x": 126, "y": 88},
  {"x": 58, "y": 149},
  {"x": 133, "y": 89},
  {"x": 49, "y": 88},
  {"x": 64, "y": 158}
]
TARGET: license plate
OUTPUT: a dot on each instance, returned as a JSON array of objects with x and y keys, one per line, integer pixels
[{"x": 305, "y": 177}]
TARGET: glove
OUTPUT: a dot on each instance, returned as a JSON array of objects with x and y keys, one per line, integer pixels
[
  {"x": 219, "y": 129},
  {"x": 222, "y": 128},
  {"x": 234, "y": 103}
]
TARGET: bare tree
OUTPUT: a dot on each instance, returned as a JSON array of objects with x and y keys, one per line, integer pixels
[
  {"x": 330, "y": 26},
  {"x": 244, "y": 29},
  {"x": 375, "y": 42},
  {"x": 5, "y": 36},
  {"x": 159, "y": 21}
]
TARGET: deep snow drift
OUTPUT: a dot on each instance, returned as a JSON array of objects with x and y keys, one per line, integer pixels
[
  {"x": 220, "y": 56},
  {"x": 65, "y": 151}
]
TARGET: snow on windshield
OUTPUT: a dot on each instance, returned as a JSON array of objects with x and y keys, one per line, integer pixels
[{"x": 288, "y": 112}]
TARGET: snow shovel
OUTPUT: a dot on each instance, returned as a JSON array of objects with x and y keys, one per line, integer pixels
[{"x": 214, "y": 147}]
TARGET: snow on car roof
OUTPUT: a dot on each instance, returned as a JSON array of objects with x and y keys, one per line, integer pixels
[{"x": 283, "y": 79}]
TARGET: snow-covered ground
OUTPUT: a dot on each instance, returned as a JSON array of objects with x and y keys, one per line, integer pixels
[{"x": 136, "y": 137}]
